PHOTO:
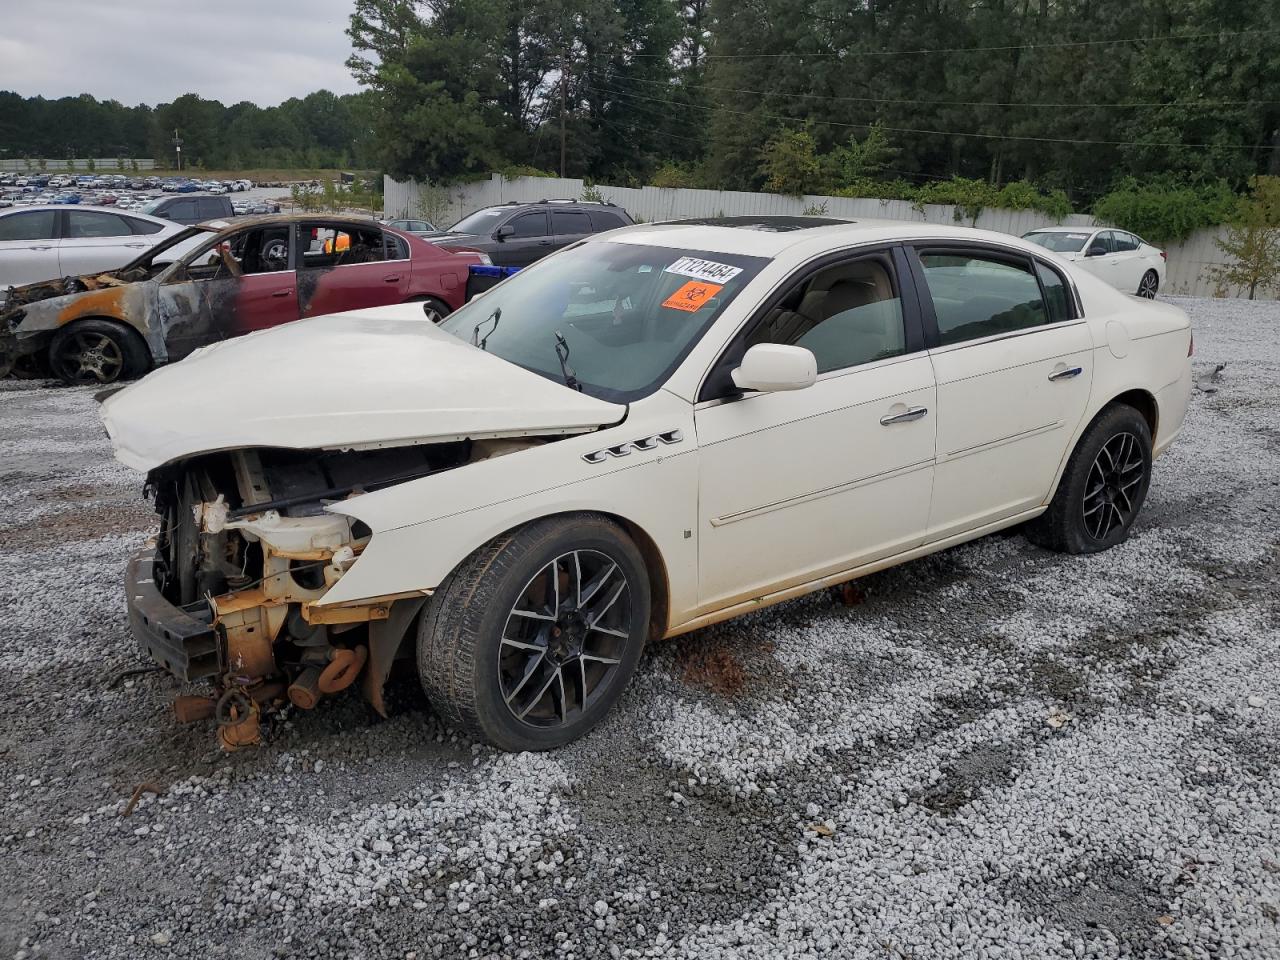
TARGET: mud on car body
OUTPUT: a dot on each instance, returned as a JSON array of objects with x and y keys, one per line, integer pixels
[{"x": 214, "y": 281}]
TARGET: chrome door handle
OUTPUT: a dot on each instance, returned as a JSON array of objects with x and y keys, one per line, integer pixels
[
  {"x": 1066, "y": 374},
  {"x": 915, "y": 413},
  {"x": 135, "y": 245}
]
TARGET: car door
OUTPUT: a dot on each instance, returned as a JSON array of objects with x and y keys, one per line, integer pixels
[
  {"x": 1128, "y": 261},
  {"x": 524, "y": 238},
  {"x": 569, "y": 226},
  {"x": 799, "y": 485},
  {"x": 239, "y": 283},
  {"x": 28, "y": 247},
  {"x": 1012, "y": 356},
  {"x": 94, "y": 241},
  {"x": 345, "y": 266}
]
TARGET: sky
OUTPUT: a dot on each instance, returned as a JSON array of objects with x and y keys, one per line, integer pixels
[{"x": 151, "y": 51}]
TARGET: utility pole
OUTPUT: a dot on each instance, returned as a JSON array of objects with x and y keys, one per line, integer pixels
[
  {"x": 564, "y": 96},
  {"x": 177, "y": 146}
]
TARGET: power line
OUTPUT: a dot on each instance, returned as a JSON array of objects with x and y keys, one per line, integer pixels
[
  {"x": 937, "y": 133},
  {"x": 1168, "y": 38},
  {"x": 948, "y": 103}
]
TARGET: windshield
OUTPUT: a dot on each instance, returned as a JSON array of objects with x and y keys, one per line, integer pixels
[
  {"x": 1058, "y": 242},
  {"x": 480, "y": 222},
  {"x": 628, "y": 313}
]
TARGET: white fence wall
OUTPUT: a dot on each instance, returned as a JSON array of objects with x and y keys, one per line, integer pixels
[
  {"x": 106, "y": 164},
  {"x": 1187, "y": 261}
]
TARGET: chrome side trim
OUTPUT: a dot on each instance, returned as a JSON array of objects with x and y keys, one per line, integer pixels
[
  {"x": 1001, "y": 441},
  {"x": 820, "y": 494}
]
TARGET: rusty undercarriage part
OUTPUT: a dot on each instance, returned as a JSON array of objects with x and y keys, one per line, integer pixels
[{"x": 239, "y": 720}]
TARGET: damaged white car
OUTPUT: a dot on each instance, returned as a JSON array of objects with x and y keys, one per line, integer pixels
[{"x": 653, "y": 430}]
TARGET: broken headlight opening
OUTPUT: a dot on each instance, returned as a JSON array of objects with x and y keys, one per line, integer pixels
[{"x": 228, "y": 594}]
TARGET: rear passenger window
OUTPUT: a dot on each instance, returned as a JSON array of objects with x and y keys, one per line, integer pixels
[
  {"x": 845, "y": 315},
  {"x": 1055, "y": 293},
  {"x": 977, "y": 296},
  {"x": 569, "y": 223},
  {"x": 1124, "y": 242},
  {"x": 602, "y": 220}
]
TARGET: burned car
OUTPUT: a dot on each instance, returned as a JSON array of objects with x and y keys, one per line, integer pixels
[
  {"x": 215, "y": 281},
  {"x": 645, "y": 433}
]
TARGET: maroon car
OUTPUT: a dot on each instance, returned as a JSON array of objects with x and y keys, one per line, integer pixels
[{"x": 215, "y": 281}]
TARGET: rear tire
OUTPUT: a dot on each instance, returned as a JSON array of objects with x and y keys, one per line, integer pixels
[
  {"x": 532, "y": 639},
  {"x": 433, "y": 309},
  {"x": 1103, "y": 487},
  {"x": 1148, "y": 285},
  {"x": 97, "y": 352}
]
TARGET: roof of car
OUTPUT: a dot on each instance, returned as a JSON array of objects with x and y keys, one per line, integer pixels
[
  {"x": 821, "y": 236},
  {"x": 767, "y": 224},
  {"x": 267, "y": 219},
  {"x": 119, "y": 211},
  {"x": 1083, "y": 229}
]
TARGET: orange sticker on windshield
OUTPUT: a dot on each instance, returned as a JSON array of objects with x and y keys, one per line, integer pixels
[{"x": 691, "y": 296}]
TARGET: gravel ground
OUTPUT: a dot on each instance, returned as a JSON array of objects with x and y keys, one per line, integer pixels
[{"x": 993, "y": 752}]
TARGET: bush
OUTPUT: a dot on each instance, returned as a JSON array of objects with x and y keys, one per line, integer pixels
[
  {"x": 518, "y": 170},
  {"x": 970, "y": 197},
  {"x": 1164, "y": 211},
  {"x": 672, "y": 176},
  {"x": 790, "y": 164}
]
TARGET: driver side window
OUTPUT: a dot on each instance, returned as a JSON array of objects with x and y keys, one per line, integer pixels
[
  {"x": 261, "y": 250},
  {"x": 846, "y": 314}
]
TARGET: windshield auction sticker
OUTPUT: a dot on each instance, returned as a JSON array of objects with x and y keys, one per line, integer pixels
[
  {"x": 692, "y": 296},
  {"x": 707, "y": 270}
]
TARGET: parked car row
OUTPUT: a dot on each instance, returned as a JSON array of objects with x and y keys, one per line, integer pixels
[{"x": 118, "y": 182}]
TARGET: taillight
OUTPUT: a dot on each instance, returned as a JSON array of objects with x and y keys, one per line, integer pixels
[
  {"x": 1191, "y": 347},
  {"x": 1163, "y": 255}
]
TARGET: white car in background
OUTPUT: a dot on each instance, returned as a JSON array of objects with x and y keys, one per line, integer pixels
[
  {"x": 656, "y": 429},
  {"x": 69, "y": 240},
  {"x": 1122, "y": 259}
]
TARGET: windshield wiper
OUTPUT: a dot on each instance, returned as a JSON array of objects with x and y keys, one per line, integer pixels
[
  {"x": 475, "y": 333},
  {"x": 562, "y": 353}
]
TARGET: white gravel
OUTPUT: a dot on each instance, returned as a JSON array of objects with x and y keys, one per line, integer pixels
[{"x": 998, "y": 752}]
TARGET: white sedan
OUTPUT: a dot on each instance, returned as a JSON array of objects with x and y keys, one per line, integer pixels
[
  {"x": 1122, "y": 259},
  {"x": 67, "y": 240},
  {"x": 653, "y": 430}
]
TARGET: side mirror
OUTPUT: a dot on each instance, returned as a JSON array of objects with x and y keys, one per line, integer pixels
[
  {"x": 503, "y": 232},
  {"x": 1096, "y": 250},
  {"x": 770, "y": 367}
]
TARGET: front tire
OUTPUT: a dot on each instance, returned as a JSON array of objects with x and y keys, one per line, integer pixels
[
  {"x": 433, "y": 309},
  {"x": 530, "y": 642},
  {"x": 1103, "y": 487},
  {"x": 97, "y": 352},
  {"x": 1148, "y": 285}
]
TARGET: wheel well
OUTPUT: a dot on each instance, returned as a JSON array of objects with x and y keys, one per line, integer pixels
[
  {"x": 128, "y": 330},
  {"x": 1145, "y": 404}
]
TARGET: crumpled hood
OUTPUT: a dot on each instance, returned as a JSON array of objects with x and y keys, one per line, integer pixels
[{"x": 379, "y": 377}]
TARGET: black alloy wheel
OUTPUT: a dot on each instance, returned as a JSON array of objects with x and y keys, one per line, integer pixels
[
  {"x": 1110, "y": 493},
  {"x": 1148, "y": 285},
  {"x": 564, "y": 638}
]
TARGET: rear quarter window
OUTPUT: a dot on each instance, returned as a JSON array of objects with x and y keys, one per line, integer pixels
[{"x": 602, "y": 220}]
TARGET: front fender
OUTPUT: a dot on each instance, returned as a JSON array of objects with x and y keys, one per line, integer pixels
[{"x": 424, "y": 528}]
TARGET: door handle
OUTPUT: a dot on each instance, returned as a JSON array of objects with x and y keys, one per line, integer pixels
[
  {"x": 135, "y": 245},
  {"x": 282, "y": 293},
  {"x": 914, "y": 413},
  {"x": 39, "y": 248},
  {"x": 394, "y": 278},
  {"x": 1066, "y": 374}
]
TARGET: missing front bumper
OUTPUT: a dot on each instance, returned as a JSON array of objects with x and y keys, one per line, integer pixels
[{"x": 185, "y": 644}]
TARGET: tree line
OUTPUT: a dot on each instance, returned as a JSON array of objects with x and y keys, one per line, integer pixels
[
  {"x": 1069, "y": 95},
  {"x": 318, "y": 130}
]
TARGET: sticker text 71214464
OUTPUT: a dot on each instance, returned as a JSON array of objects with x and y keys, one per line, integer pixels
[{"x": 705, "y": 270}]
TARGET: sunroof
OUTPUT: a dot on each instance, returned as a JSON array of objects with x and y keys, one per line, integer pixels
[{"x": 765, "y": 224}]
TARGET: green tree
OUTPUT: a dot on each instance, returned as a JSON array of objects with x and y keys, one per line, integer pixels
[
  {"x": 1253, "y": 241},
  {"x": 790, "y": 163}
]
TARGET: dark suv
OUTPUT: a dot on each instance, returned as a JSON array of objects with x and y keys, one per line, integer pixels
[
  {"x": 190, "y": 208},
  {"x": 516, "y": 234}
]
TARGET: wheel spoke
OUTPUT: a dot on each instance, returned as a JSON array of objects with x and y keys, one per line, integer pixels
[
  {"x": 587, "y": 594},
  {"x": 614, "y": 594},
  {"x": 533, "y": 615},
  {"x": 537, "y": 697},
  {"x": 530, "y": 670},
  {"x": 523, "y": 645},
  {"x": 596, "y": 658}
]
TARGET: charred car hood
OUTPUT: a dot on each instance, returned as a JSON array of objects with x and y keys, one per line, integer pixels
[
  {"x": 367, "y": 378},
  {"x": 18, "y": 296}
]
